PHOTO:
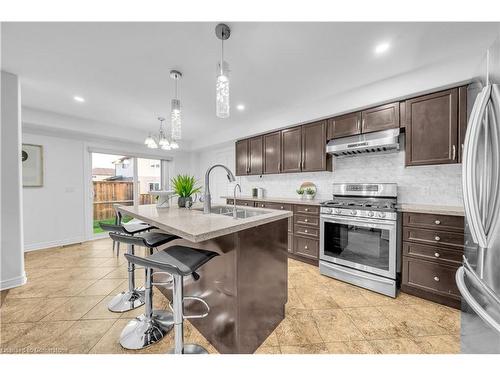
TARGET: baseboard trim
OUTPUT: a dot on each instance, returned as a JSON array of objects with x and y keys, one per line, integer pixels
[
  {"x": 14, "y": 282},
  {"x": 50, "y": 244}
]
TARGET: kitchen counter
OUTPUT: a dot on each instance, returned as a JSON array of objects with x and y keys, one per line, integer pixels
[
  {"x": 431, "y": 209},
  {"x": 245, "y": 306},
  {"x": 312, "y": 202},
  {"x": 195, "y": 226}
]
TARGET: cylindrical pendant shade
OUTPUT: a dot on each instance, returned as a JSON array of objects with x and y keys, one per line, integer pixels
[{"x": 222, "y": 96}]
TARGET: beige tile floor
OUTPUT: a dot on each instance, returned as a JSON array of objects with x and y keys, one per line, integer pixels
[{"x": 62, "y": 309}]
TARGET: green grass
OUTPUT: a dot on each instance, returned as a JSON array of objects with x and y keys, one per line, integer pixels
[{"x": 97, "y": 228}]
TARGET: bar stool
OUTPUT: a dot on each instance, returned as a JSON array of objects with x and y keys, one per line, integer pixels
[
  {"x": 150, "y": 327},
  {"x": 133, "y": 297},
  {"x": 178, "y": 261}
]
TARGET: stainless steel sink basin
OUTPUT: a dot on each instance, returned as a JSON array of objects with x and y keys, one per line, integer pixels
[{"x": 241, "y": 213}]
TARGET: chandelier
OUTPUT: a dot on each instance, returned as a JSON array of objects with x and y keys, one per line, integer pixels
[{"x": 161, "y": 140}]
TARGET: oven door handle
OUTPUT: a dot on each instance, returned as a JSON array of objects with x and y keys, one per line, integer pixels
[
  {"x": 369, "y": 223},
  {"x": 363, "y": 275}
]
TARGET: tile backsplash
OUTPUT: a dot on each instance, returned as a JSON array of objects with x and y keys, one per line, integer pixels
[{"x": 439, "y": 184}]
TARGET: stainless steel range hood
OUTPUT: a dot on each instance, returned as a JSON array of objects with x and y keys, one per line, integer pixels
[{"x": 377, "y": 142}]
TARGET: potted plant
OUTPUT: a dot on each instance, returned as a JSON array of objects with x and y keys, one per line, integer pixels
[
  {"x": 300, "y": 192},
  {"x": 310, "y": 193},
  {"x": 184, "y": 187}
]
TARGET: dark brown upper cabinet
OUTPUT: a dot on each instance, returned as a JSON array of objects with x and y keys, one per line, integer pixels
[
  {"x": 432, "y": 129},
  {"x": 242, "y": 157},
  {"x": 291, "y": 149},
  {"x": 345, "y": 125},
  {"x": 249, "y": 158},
  {"x": 380, "y": 118},
  {"x": 314, "y": 155},
  {"x": 272, "y": 152}
]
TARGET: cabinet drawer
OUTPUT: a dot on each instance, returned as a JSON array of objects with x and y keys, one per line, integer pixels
[
  {"x": 433, "y": 253},
  {"x": 306, "y": 231},
  {"x": 305, "y": 247},
  {"x": 434, "y": 237},
  {"x": 274, "y": 206},
  {"x": 306, "y": 209},
  {"x": 430, "y": 276},
  {"x": 312, "y": 221},
  {"x": 242, "y": 202},
  {"x": 290, "y": 243},
  {"x": 432, "y": 221}
]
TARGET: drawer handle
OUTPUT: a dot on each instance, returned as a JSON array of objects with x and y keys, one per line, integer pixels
[
  {"x": 437, "y": 222},
  {"x": 437, "y": 238},
  {"x": 437, "y": 255},
  {"x": 305, "y": 247},
  {"x": 436, "y": 278}
]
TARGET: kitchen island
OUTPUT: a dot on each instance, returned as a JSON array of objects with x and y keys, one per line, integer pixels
[{"x": 246, "y": 286}]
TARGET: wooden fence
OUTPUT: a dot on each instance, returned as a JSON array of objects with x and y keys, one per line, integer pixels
[{"x": 107, "y": 193}]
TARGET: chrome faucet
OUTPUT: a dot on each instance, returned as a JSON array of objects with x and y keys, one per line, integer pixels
[
  {"x": 207, "y": 204},
  {"x": 235, "y": 216}
]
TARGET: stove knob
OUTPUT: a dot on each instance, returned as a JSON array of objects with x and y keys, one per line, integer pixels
[
  {"x": 327, "y": 210},
  {"x": 370, "y": 213},
  {"x": 381, "y": 214},
  {"x": 353, "y": 212},
  {"x": 336, "y": 211}
]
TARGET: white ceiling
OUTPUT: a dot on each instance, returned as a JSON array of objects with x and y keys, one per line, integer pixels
[{"x": 122, "y": 69}]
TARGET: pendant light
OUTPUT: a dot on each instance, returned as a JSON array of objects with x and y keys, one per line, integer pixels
[
  {"x": 223, "y": 32},
  {"x": 175, "y": 114}
]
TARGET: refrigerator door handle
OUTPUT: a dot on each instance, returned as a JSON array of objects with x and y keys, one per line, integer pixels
[
  {"x": 471, "y": 204},
  {"x": 480, "y": 311}
]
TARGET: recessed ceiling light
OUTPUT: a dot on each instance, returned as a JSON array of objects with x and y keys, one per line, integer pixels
[
  {"x": 240, "y": 107},
  {"x": 381, "y": 48},
  {"x": 78, "y": 99}
]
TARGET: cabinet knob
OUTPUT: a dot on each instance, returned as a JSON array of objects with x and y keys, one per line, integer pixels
[
  {"x": 437, "y": 222},
  {"x": 305, "y": 247},
  {"x": 306, "y": 209},
  {"x": 282, "y": 207},
  {"x": 437, "y": 255},
  {"x": 305, "y": 220},
  {"x": 437, "y": 238},
  {"x": 305, "y": 230},
  {"x": 436, "y": 278},
  {"x": 262, "y": 205}
]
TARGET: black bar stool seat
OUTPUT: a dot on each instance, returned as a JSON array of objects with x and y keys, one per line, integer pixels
[
  {"x": 126, "y": 228},
  {"x": 149, "y": 239}
]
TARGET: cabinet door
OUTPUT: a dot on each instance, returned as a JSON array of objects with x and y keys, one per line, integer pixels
[
  {"x": 242, "y": 157},
  {"x": 462, "y": 119},
  {"x": 272, "y": 153},
  {"x": 314, "y": 147},
  {"x": 431, "y": 131},
  {"x": 345, "y": 125},
  {"x": 255, "y": 156},
  {"x": 380, "y": 118},
  {"x": 291, "y": 149}
]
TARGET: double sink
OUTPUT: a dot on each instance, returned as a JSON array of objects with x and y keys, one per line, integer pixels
[{"x": 241, "y": 213}]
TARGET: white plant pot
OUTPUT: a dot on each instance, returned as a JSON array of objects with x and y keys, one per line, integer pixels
[{"x": 309, "y": 196}]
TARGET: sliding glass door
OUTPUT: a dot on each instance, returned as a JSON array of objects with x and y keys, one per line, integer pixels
[{"x": 122, "y": 180}]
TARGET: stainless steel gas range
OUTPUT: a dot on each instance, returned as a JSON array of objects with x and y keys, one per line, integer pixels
[{"x": 360, "y": 236}]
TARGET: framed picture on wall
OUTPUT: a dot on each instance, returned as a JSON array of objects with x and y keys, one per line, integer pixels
[{"x": 32, "y": 159}]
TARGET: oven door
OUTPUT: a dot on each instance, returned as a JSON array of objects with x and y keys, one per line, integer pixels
[{"x": 364, "y": 244}]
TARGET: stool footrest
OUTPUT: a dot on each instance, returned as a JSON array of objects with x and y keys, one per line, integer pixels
[
  {"x": 169, "y": 282},
  {"x": 193, "y": 298}
]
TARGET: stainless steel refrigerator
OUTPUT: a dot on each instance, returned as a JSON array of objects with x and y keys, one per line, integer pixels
[{"x": 479, "y": 278}]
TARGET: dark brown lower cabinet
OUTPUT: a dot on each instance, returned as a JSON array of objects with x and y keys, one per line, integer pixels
[{"x": 432, "y": 256}]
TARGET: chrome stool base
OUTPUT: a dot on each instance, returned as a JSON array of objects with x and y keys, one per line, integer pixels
[
  {"x": 140, "y": 332},
  {"x": 190, "y": 349},
  {"x": 126, "y": 301}
]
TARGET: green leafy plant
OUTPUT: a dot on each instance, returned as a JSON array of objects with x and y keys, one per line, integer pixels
[
  {"x": 184, "y": 186},
  {"x": 310, "y": 191},
  {"x": 300, "y": 191}
]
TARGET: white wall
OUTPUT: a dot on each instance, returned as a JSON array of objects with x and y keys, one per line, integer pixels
[
  {"x": 60, "y": 213},
  {"x": 11, "y": 231},
  {"x": 440, "y": 184}
]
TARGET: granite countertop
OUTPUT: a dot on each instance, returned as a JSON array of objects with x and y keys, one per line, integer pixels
[
  {"x": 195, "y": 226},
  {"x": 431, "y": 209},
  {"x": 311, "y": 202}
]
